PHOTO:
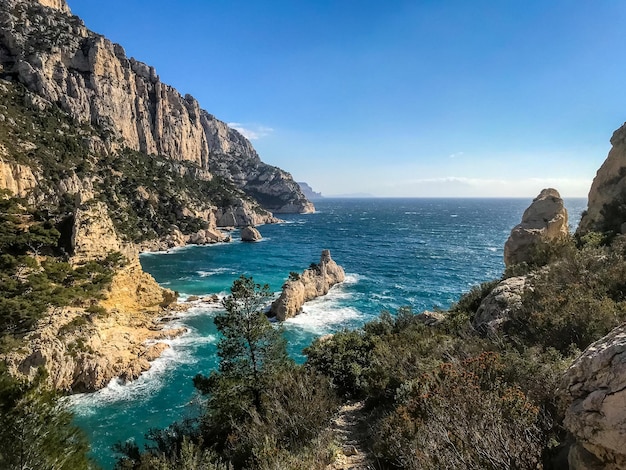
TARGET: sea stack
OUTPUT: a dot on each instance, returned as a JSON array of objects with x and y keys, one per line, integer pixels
[
  {"x": 250, "y": 234},
  {"x": 544, "y": 221},
  {"x": 312, "y": 283}
]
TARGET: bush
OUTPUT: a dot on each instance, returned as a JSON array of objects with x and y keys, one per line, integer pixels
[{"x": 461, "y": 415}]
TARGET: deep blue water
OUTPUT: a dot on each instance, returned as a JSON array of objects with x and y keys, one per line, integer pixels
[{"x": 422, "y": 253}]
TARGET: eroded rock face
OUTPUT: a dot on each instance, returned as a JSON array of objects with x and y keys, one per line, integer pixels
[
  {"x": 250, "y": 234},
  {"x": 56, "y": 57},
  {"x": 501, "y": 304},
  {"x": 60, "y": 5},
  {"x": 544, "y": 221},
  {"x": 17, "y": 179},
  {"x": 312, "y": 283},
  {"x": 595, "y": 385},
  {"x": 242, "y": 215},
  {"x": 608, "y": 190},
  {"x": 94, "y": 236}
]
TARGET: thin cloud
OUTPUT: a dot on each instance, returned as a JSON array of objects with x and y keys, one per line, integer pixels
[
  {"x": 456, "y": 155},
  {"x": 251, "y": 131}
]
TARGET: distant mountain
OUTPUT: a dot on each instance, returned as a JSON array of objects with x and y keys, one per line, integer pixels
[{"x": 308, "y": 191}]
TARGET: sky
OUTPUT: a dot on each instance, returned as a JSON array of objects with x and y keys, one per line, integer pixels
[{"x": 398, "y": 98}]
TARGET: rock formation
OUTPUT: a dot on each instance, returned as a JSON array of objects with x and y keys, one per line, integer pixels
[
  {"x": 312, "y": 283},
  {"x": 608, "y": 191},
  {"x": 500, "y": 304},
  {"x": 544, "y": 221},
  {"x": 56, "y": 57},
  {"x": 250, "y": 234},
  {"x": 308, "y": 191},
  {"x": 595, "y": 385},
  {"x": 94, "y": 236}
]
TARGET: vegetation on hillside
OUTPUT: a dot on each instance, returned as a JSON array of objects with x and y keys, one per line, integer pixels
[
  {"x": 262, "y": 410},
  {"x": 443, "y": 396}
]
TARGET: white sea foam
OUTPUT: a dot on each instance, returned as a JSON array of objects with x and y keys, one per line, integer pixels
[
  {"x": 212, "y": 272},
  {"x": 328, "y": 313},
  {"x": 169, "y": 251},
  {"x": 181, "y": 351}
]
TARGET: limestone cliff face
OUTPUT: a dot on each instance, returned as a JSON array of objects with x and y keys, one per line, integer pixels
[
  {"x": 94, "y": 236},
  {"x": 312, "y": 283},
  {"x": 544, "y": 221},
  {"x": 55, "y": 56},
  {"x": 18, "y": 179},
  {"x": 595, "y": 385},
  {"x": 83, "y": 349},
  {"x": 608, "y": 190}
]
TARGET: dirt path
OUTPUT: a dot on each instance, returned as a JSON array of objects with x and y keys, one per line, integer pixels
[{"x": 350, "y": 425}]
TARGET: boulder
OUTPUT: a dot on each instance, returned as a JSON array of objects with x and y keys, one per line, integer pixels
[
  {"x": 595, "y": 386},
  {"x": 250, "y": 234},
  {"x": 429, "y": 318},
  {"x": 544, "y": 221},
  {"x": 312, "y": 283},
  {"x": 500, "y": 304}
]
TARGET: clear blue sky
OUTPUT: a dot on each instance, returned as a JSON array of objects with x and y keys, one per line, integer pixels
[{"x": 397, "y": 98}]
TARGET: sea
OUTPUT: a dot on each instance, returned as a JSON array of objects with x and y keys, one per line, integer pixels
[{"x": 421, "y": 253}]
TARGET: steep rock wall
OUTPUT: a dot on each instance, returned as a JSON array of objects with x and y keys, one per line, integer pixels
[
  {"x": 608, "y": 191},
  {"x": 54, "y": 55}
]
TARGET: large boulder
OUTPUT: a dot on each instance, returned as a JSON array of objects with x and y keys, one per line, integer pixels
[
  {"x": 595, "y": 385},
  {"x": 312, "y": 283},
  {"x": 608, "y": 190},
  {"x": 500, "y": 304},
  {"x": 250, "y": 234},
  {"x": 543, "y": 222}
]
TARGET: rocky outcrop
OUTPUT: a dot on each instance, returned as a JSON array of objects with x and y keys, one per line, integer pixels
[
  {"x": 15, "y": 178},
  {"x": 543, "y": 222},
  {"x": 307, "y": 190},
  {"x": 250, "y": 234},
  {"x": 56, "y": 57},
  {"x": 312, "y": 283},
  {"x": 430, "y": 318},
  {"x": 242, "y": 214},
  {"x": 94, "y": 236},
  {"x": 595, "y": 385},
  {"x": 83, "y": 352},
  {"x": 60, "y": 5},
  {"x": 608, "y": 191},
  {"x": 502, "y": 303}
]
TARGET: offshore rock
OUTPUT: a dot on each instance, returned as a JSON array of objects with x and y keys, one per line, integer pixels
[
  {"x": 312, "y": 283},
  {"x": 502, "y": 303},
  {"x": 544, "y": 221},
  {"x": 250, "y": 234},
  {"x": 595, "y": 385},
  {"x": 608, "y": 191},
  {"x": 55, "y": 56}
]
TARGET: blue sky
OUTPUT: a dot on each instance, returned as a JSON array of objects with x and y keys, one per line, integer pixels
[{"x": 397, "y": 98}]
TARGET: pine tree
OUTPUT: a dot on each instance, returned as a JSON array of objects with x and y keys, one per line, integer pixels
[{"x": 250, "y": 349}]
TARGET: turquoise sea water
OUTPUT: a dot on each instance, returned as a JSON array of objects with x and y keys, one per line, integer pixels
[{"x": 423, "y": 253}]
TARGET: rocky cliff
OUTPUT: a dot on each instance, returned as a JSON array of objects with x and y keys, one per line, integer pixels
[
  {"x": 606, "y": 209},
  {"x": 544, "y": 221},
  {"x": 595, "y": 385},
  {"x": 312, "y": 283},
  {"x": 83, "y": 347},
  {"x": 54, "y": 55}
]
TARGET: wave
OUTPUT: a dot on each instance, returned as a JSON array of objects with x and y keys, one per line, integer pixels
[
  {"x": 328, "y": 313},
  {"x": 182, "y": 350},
  {"x": 213, "y": 272}
]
